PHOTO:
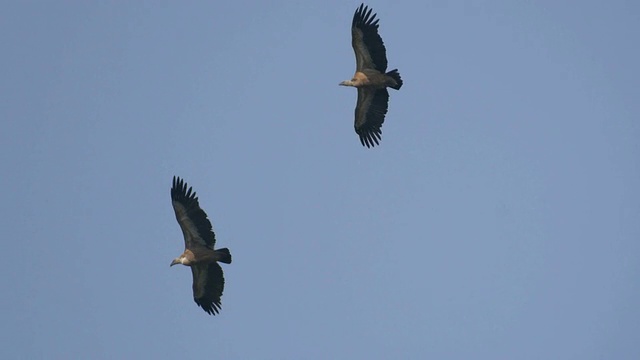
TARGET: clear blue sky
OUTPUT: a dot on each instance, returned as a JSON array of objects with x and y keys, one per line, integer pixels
[{"x": 499, "y": 218}]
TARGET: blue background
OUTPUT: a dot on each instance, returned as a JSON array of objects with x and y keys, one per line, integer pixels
[{"x": 498, "y": 219}]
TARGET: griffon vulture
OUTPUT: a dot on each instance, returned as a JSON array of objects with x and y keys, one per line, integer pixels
[
  {"x": 370, "y": 77},
  {"x": 199, "y": 254}
]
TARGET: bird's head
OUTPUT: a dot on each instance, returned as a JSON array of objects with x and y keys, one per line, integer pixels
[
  {"x": 359, "y": 79},
  {"x": 178, "y": 260}
]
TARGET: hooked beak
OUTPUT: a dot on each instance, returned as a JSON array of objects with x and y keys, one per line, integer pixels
[
  {"x": 175, "y": 261},
  {"x": 344, "y": 83}
]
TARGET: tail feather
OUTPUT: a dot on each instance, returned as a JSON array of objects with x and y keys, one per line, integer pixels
[
  {"x": 396, "y": 82},
  {"x": 224, "y": 255}
]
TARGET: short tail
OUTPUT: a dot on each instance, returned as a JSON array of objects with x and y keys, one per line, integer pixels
[
  {"x": 224, "y": 256},
  {"x": 395, "y": 81}
]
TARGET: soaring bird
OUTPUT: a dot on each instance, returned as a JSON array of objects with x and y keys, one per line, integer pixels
[
  {"x": 370, "y": 77},
  {"x": 199, "y": 254}
]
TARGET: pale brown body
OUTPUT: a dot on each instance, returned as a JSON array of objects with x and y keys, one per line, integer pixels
[
  {"x": 370, "y": 78},
  {"x": 197, "y": 255}
]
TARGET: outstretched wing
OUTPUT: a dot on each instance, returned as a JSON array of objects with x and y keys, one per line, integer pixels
[
  {"x": 370, "y": 111},
  {"x": 196, "y": 227},
  {"x": 208, "y": 285},
  {"x": 366, "y": 42}
]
